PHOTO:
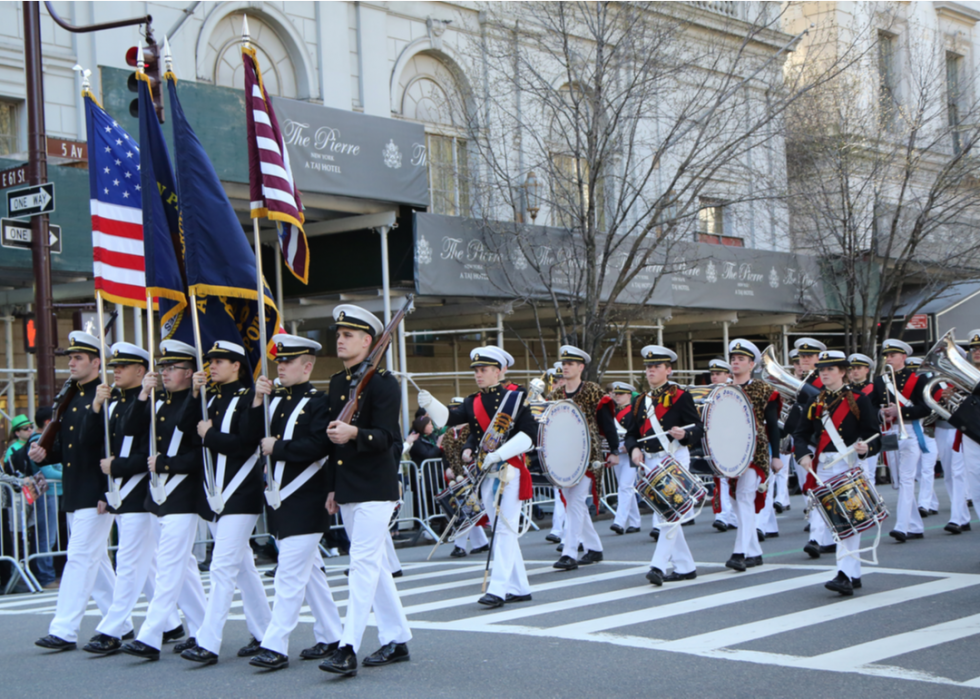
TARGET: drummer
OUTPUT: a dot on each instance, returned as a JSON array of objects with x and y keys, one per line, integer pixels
[
  {"x": 750, "y": 496},
  {"x": 453, "y": 442},
  {"x": 858, "y": 379},
  {"x": 721, "y": 504},
  {"x": 668, "y": 415},
  {"x": 819, "y": 442},
  {"x": 627, "y": 511}
]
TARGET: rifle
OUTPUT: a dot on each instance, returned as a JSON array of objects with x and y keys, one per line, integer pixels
[
  {"x": 369, "y": 366},
  {"x": 61, "y": 401}
]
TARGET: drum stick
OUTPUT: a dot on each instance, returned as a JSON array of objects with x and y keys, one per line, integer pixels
[
  {"x": 442, "y": 536},
  {"x": 851, "y": 449},
  {"x": 657, "y": 435}
]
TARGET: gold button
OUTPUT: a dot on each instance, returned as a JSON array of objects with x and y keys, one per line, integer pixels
[
  {"x": 343, "y": 398},
  {"x": 159, "y": 438},
  {"x": 340, "y": 463},
  {"x": 74, "y": 409},
  {"x": 68, "y": 464},
  {"x": 168, "y": 402},
  {"x": 69, "y": 446},
  {"x": 162, "y": 418},
  {"x": 370, "y": 437},
  {"x": 289, "y": 397},
  {"x": 71, "y": 427}
]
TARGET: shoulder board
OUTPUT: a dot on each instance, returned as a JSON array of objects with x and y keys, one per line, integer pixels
[
  {"x": 311, "y": 391},
  {"x": 241, "y": 392},
  {"x": 342, "y": 371},
  {"x": 381, "y": 372}
]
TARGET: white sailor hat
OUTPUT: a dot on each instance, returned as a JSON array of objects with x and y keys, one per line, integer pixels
[
  {"x": 745, "y": 348},
  {"x": 974, "y": 340},
  {"x": 350, "y": 316},
  {"x": 913, "y": 361},
  {"x": 858, "y": 359},
  {"x": 719, "y": 365},
  {"x": 622, "y": 388},
  {"x": 557, "y": 370},
  {"x": 128, "y": 353},
  {"x": 488, "y": 356},
  {"x": 657, "y": 354},
  {"x": 172, "y": 351},
  {"x": 794, "y": 354},
  {"x": 889, "y": 346},
  {"x": 807, "y": 345},
  {"x": 81, "y": 341},
  {"x": 509, "y": 357},
  {"x": 289, "y": 346},
  {"x": 222, "y": 349},
  {"x": 832, "y": 358},
  {"x": 456, "y": 401},
  {"x": 569, "y": 353}
]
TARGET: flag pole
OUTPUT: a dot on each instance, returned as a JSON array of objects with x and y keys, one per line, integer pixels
[
  {"x": 209, "y": 484},
  {"x": 112, "y": 495},
  {"x": 157, "y": 490}
]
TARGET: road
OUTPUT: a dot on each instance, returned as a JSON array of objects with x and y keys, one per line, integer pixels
[{"x": 601, "y": 630}]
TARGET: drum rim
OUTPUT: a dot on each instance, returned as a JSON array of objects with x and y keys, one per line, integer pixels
[
  {"x": 574, "y": 409},
  {"x": 708, "y": 452}
]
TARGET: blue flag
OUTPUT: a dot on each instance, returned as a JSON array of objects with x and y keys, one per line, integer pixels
[{"x": 219, "y": 262}]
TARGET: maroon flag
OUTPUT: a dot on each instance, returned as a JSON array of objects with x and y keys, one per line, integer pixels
[{"x": 272, "y": 191}]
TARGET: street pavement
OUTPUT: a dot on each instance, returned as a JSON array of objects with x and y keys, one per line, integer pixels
[{"x": 600, "y": 631}]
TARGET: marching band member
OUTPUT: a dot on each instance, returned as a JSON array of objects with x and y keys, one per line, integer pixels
[
  {"x": 928, "y": 502},
  {"x": 87, "y": 572},
  {"x": 808, "y": 350},
  {"x": 627, "y": 510},
  {"x": 857, "y": 378},
  {"x": 743, "y": 356},
  {"x": 453, "y": 442},
  {"x": 179, "y": 463},
  {"x": 239, "y": 480},
  {"x": 136, "y": 524},
  {"x": 951, "y": 447},
  {"x": 838, "y": 418},
  {"x": 362, "y": 484},
  {"x": 793, "y": 419},
  {"x": 780, "y": 498},
  {"x": 665, "y": 411},
  {"x": 298, "y": 418},
  {"x": 508, "y": 579},
  {"x": 578, "y": 524},
  {"x": 907, "y": 398},
  {"x": 970, "y": 448},
  {"x": 720, "y": 372}
]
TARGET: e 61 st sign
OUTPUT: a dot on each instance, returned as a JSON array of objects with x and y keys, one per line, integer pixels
[{"x": 31, "y": 201}]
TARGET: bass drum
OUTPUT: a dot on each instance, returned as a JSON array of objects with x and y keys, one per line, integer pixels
[
  {"x": 564, "y": 443},
  {"x": 729, "y": 431}
]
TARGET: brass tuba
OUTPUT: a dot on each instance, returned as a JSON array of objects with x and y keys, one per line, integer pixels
[
  {"x": 788, "y": 386},
  {"x": 948, "y": 365}
]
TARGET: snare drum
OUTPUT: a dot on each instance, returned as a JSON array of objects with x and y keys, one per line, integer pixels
[
  {"x": 462, "y": 501},
  {"x": 670, "y": 489},
  {"x": 564, "y": 443},
  {"x": 729, "y": 431},
  {"x": 849, "y": 503}
]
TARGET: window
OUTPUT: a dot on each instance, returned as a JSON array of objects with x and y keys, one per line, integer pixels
[
  {"x": 953, "y": 97},
  {"x": 8, "y": 128},
  {"x": 570, "y": 191},
  {"x": 887, "y": 79},
  {"x": 448, "y": 181},
  {"x": 711, "y": 224}
]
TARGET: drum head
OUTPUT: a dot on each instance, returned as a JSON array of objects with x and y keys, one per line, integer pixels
[
  {"x": 729, "y": 431},
  {"x": 564, "y": 444}
]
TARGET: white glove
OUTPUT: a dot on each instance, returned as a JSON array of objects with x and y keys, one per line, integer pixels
[
  {"x": 425, "y": 399},
  {"x": 491, "y": 460},
  {"x": 434, "y": 409},
  {"x": 515, "y": 446}
]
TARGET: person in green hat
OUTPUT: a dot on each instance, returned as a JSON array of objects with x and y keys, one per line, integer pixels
[{"x": 21, "y": 428}]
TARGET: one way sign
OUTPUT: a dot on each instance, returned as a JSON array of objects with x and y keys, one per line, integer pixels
[
  {"x": 31, "y": 201},
  {"x": 17, "y": 234}
]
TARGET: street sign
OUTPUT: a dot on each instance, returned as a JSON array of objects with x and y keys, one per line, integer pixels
[
  {"x": 13, "y": 176},
  {"x": 31, "y": 201},
  {"x": 70, "y": 150},
  {"x": 17, "y": 234},
  {"x": 920, "y": 321}
]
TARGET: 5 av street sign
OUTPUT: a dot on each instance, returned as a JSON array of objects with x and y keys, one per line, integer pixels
[
  {"x": 31, "y": 201},
  {"x": 17, "y": 234}
]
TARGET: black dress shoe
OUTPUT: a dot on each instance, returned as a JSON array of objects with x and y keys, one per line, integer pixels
[
  {"x": 778, "y": 508},
  {"x": 675, "y": 576},
  {"x": 923, "y": 512},
  {"x": 856, "y": 583},
  {"x": 590, "y": 557},
  {"x": 343, "y": 662},
  {"x": 518, "y": 598},
  {"x": 252, "y": 648},
  {"x": 829, "y": 548},
  {"x": 618, "y": 529},
  {"x": 174, "y": 634},
  {"x": 719, "y": 525},
  {"x": 900, "y": 537},
  {"x": 458, "y": 552},
  {"x": 807, "y": 529},
  {"x": 565, "y": 563},
  {"x": 397, "y": 574},
  {"x": 130, "y": 635},
  {"x": 688, "y": 523},
  {"x": 140, "y": 650},
  {"x": 655, "y": 576},
  {"x": 52, "y": 642},
  {"x": 655, "y": 534},
  {"x": 772, "y": 535},
  {"x": 191, "y": 642},
  {"x": 481, "y": 549},
  {"x": 841, "y": 584},
  {"x": 812, "y": 549},
  {"x": 491, "y": 601},
  {"x": 346, "y": 572},
  {"x": 200, "y": 655},
  {"x": 388, "y": 654},
  {"x": 736, "y": 562},
  {"x": 953, "y": 528},
  {"x": 916, "y": 535},
  {"x": 553, "y": 539},
  {"x": 760, "y": 536},
  {"x": 319, "y": 652},
  {"x": 965, "y": 527},
  {"x": 269, "y": 660},
  {"x": 933, "y": 512},
  {"x": 102, "y": 644},
  {"x": 753, "y": 561},
  {"x": 271, "y": 573},
  {"x": 632, "y": 530},
  {"x": 561, "y": 548}
]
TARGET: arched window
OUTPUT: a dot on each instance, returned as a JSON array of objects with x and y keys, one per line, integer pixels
[{"x": 224, "y": 44}]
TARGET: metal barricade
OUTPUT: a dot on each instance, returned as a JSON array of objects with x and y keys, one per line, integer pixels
[
  {"x": 608, "y": 488},
  {"x": 14, "y": 522}
]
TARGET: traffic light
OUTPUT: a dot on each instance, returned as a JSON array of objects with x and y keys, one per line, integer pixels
[{"x": 151, "y": 67}]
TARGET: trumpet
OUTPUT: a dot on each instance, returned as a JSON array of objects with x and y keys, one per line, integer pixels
[{"x": 892, "y": 382}]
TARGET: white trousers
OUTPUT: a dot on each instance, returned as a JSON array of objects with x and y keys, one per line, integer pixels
[
  {"x": 370, "y": 582},
  {"x": 971, "y": 462},
  {"x": 671, "y": 545},
  {"x": 906, "y": 465},
  {"x": 780, "y": 482},
  {"x": 766, "y": 519},
  {"x": 746, "y": 540},
  {"x": 578, "y": 523},
  {"x": 627, "y": 509},
  {"x": 849, "y": 565},
  {"x": 136, "y": 571},
  {"x": 954, "y": 473},
  {"x": 927, "y": 475},
  {"x": 87, "y": 573},
  {"x": 558, "y": 516},
  {"x": 232, "y": 564},
  {"x": 819, "y": 532},
  {"x": 508, "y": 574},
  {"x": 391, "y": 556},
  {"x": 727, "y": 514},
  {"x": 299, "y": 576},
  {"x": 473, "y": 539},
  {"x": 178, "y": 581}
]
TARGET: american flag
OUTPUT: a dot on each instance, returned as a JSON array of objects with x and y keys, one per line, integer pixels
[
  {"x": 271, "y": 187},
  {"x": 117, "y": 214}
]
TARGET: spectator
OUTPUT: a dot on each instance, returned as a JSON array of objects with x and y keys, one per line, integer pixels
[
  {"x": 422, "y": 445},
  {"x": 47, "y": 509},
  {"x": 21, "y": 429}
]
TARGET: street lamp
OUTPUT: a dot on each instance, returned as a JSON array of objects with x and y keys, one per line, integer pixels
[{"x": 532, "y": 189}]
